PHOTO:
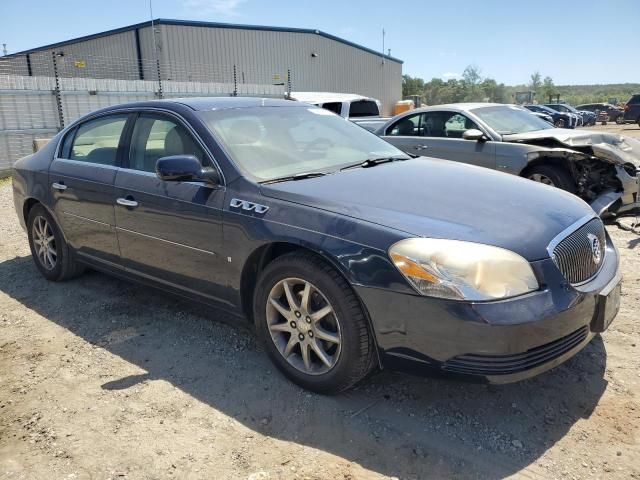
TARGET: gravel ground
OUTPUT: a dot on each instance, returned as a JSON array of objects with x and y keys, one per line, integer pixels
[{"x": 102, "y": 379}]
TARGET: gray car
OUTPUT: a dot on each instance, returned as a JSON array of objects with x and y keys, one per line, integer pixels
[{"x": 601, "y": 168}]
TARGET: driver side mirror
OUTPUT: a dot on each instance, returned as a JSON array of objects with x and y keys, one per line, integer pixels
[
  {"x": 185, "y": 168},
  {"x": 474, "y": 134}
]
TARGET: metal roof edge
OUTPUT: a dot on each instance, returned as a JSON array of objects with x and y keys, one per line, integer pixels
[{"x": 198, "y": 23}]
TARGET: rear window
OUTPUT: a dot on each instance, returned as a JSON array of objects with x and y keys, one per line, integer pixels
[{"x": 364, "y": 108}]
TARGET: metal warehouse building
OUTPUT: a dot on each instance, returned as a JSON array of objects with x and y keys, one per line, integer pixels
[{"x": 187, "y": 51}]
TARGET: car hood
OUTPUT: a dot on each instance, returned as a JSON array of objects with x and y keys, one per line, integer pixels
[
  {"x": 612, "y": 147},
  {"x": 442, "y": 199}
]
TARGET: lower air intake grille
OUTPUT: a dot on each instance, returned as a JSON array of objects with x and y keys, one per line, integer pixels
[{"x": 506, "y": 364}]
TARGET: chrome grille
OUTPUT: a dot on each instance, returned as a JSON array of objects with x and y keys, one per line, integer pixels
[{"x": 575, "y": 255}]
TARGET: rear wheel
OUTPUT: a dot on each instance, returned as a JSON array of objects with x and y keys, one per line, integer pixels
[
  {"x": 50, "y": 252},
  {"x": 552, "y": 175},
  {"x": 619, "y": 119},
  {"x": 312, "y": 324}
]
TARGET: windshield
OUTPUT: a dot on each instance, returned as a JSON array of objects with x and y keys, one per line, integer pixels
[
  {"x": 506, "y": 120},
  {"x": 268, "y": 143}
]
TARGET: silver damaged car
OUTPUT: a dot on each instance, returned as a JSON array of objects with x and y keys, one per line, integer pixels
[{"x": 601, "y": 168}]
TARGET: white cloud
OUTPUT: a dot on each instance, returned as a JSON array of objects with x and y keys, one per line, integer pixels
[
  {"x": 208, "y": 7},
  {"x": 450, "y": 75}
]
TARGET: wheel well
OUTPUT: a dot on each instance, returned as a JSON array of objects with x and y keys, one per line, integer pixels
[
  {"x": 256, "y": 263},
  {"x": 26, "y": 208},
  {"x": 266, "y": 254},
  {"x": 552, "y": 162}
]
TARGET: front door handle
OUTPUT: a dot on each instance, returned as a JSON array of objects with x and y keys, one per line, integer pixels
[
  {"x": 126, "y": 202},
  {"x": 421, "y": 147},
  {"x": 59, "y": 186}
]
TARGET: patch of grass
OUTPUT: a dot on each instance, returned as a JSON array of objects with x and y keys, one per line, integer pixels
[{"x": 5, "y": 180}]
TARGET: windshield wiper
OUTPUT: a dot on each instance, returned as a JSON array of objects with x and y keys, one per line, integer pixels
[
  {"x": 297, "y": 176},
  {"x": 372, "y": 162}
]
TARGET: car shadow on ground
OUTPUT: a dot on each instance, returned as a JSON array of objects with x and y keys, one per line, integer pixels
[{"x": 393, "y": 424}]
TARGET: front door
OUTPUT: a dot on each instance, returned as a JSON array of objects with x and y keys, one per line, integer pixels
[
  {"x": 170, "y": 232},
  {"x": 82, "y": 182},
  {"x": 438, "y": 134}
]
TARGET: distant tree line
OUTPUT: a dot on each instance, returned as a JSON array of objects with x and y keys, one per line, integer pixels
[{"x": 473, "y": 87}]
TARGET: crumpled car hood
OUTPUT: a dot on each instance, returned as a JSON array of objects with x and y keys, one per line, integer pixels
[{"x": 612, "y": 147}]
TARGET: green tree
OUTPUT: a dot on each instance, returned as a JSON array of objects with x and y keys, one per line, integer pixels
[
  {"x": 472, "y": 75},
  {"x": 547, "y": 89},
  {"x": 412, "y": 86},
  {"x": 535, "y": 81}
]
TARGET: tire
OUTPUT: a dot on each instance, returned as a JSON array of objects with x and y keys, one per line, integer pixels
[
  {"x": 620, "y": 120},
  {"x": 349, "y": 356},
  {"x": 59, "y": 264},
  {"x": 559, "y": 123},
  {"x": 552, "y": 175}
]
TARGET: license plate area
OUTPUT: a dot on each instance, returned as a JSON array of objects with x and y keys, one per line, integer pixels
[{"x": 607, "y": 307}]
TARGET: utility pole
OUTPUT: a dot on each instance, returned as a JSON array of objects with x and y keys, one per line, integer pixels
[
  {"x": 383, "y": 34},
  {"x": 4, "y": 49}
]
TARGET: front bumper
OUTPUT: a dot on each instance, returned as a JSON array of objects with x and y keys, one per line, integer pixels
[{"x": 495, "y": 342}]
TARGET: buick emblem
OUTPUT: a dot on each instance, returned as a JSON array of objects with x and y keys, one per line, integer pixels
[{"x": 595, "y": 248}]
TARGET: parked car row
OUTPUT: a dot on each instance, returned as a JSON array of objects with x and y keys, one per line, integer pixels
[
  {"x": 559, "y": 119},
  {"x": 347, "y": 251}
]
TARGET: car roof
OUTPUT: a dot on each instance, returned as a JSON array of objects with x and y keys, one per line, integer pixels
[
  {"x": 323, "y": 97},
  {"x": 209, "y": 103},
  {"x": 459, "y": 107}
]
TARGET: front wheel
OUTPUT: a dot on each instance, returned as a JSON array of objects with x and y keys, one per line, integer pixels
[
  {"x": 553, "y": 176},
  {"x": 312, "y": 324},
  {"x": 50, "y": 252},
  {"x": 559, "y": 123}
]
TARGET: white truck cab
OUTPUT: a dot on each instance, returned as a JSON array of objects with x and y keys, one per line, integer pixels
[{"x": 346, "y": 105}]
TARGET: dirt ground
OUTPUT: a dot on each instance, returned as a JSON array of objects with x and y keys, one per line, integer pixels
[{"x": 103, "y": 379}]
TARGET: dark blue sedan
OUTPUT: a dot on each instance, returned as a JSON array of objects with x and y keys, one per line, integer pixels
[{"x": 346, "y": 253}]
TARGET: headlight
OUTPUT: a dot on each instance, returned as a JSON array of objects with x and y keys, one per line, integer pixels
[{"x": 462, "y": 270}]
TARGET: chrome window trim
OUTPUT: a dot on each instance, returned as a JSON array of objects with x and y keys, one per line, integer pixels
[{"x": 129, "y": 110}]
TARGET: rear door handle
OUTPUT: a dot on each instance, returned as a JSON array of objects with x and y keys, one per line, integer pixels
[
  {"x": 421, "y": 147},
  {"x": 59, "y": 186},
  {"x": 126, "y": 202}
]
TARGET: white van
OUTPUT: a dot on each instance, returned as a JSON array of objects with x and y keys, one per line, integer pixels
[{"x": 346, "y": 105}]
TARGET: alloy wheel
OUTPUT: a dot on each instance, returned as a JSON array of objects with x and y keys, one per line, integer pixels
[
  {"x": 540, "y": 178},
  {"x": 303, "y": 326},
  {"x": 44, "y": 243}
]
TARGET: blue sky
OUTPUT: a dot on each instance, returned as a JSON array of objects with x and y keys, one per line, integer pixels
[{"x": 508, "y": 40}]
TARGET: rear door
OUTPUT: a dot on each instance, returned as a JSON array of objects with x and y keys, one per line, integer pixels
[
  {"x": 170, "y": 232},
  {"x": 439, "y": 134},
  {"x": 82, "y": 182}
]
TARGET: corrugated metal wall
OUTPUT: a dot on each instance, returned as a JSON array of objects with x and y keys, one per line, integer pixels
[
  {"x": 266, "y": 55},
  {"x": 208, "y": 54}
]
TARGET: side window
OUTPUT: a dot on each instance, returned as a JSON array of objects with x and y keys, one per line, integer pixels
[
  {"x": 406, "y": 127},
  {"x": 156, "y": 136},
  {"x": 335, "y": 107},
  {"x": 457, "y": 125},
  {"x": 434, "y": 123},
  {"x": 634, "y": 100},
  {"x": 96, "y": 141}
]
